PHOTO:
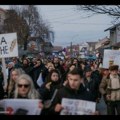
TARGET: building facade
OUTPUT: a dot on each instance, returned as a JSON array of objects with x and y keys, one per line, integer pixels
[{"x": 114, "y": 32}]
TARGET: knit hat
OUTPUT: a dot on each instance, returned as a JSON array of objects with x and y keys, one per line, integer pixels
[{"x": 113, "y": 67}]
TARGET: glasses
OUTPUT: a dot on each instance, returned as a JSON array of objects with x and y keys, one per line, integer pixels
[{"x": 25, "y": 85}]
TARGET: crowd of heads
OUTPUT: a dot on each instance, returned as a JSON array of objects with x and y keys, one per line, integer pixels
[{"x": 23, "y": 74}]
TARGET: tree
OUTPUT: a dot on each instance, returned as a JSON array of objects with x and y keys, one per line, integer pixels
[
  {"x": 15, "y": 23},
  {"x": 26, "y": 21},
  {"x": 37, "y": 27},
  {"x": 110, "y": 10},
  {"x": 34, "y": 20}
]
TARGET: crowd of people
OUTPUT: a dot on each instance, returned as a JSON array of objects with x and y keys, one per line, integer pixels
[{"x": 69, "y": 78}]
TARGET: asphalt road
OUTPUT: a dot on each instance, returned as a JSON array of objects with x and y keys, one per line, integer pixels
[{"x": 101, "y": 107}]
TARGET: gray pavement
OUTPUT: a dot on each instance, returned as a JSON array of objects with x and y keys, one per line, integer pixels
[{"x": 101, "y": 107}]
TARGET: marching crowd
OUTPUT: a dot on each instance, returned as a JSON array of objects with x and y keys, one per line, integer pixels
[{"x": 53, "y": 79}]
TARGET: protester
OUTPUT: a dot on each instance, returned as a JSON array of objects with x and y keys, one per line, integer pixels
[
  {"x": 91, "y": 83},
  {"x": 73, "y": 90},
  {"x": 48, "y": 67},
  {"x": 15, "y": 73},
  {"x": 76, "y": 62},
  {"x": 70, "y": 68},
  {"x": 24, "y": 88},
  {"x": 53, "y": 82},
  {"x": 10, "y": 67},
  {"x": 57, "y": 65},
  {"x": 110, "y": 89},
  {"x": 48, "y": 89}
]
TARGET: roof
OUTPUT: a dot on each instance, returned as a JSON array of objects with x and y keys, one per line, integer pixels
[
  {"x": 112, "y": 27},
  {"x": 3, "y": 10},
  {"x": 91, "y": 43},
  {"x": 57, "y": 48}
]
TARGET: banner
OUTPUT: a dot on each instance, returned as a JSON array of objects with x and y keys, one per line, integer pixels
[
  {"x": 111, "y": 57},
  {"x": 8, "y": 45},
  {"x": 77, "y": 107},
  {"x": 20, "y": 106}
]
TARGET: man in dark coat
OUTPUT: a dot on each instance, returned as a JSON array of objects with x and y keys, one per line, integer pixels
[
  {"x": 91, "y": 83},
  {"x": 73, "y": 90}
]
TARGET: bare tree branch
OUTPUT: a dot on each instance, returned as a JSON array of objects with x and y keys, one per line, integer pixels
[{"x": 110, "y": 10}]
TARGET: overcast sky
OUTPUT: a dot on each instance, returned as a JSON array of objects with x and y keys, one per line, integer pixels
[{"x": 70, "y": 25}]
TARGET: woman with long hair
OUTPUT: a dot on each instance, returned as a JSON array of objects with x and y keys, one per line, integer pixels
[
  {"x": 25, "y": 88},
  {"x": 49, "y": 88},
  {"x": 15, "y": 73}
]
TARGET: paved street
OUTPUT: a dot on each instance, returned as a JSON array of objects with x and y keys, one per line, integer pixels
[{"x": 101, "y": 106}]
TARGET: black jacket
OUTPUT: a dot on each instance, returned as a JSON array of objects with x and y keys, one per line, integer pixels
[
  {"x": 47, "y": 94},
  {"x": 93, "y": 86},
  {"x": 37, "y": 71},
  {"x": 1, "y": 86},
  {"x": 67, "y": 92}
]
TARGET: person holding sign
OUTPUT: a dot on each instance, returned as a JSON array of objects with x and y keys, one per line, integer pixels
[
  {"x": 73, "y": 90},
  {"x": 24, "y": 88},
  {"x": 110, "y": 89}
]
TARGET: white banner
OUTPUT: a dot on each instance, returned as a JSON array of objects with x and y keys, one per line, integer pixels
[
  {"x": 20, "y": 106},
  {"x": 77, "y": 107},
  {"x": 111, "y": 57},
  {"x": 8, "y": 45}
]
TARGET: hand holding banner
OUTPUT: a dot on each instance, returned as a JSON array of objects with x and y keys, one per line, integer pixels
[{"x": 77, "y": 107}]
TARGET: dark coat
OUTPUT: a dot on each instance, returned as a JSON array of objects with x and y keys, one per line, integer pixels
[
  {"x": 47, "y": 94},
  {"x": 93, "y": 86},
  {"x": 67, "y": 92},
  {"x": 45, "y": 73},
  {"x": 37, "y": 71},
  {"x": 1, "y": 86}
]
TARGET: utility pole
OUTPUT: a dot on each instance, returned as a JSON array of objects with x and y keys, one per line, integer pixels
[{"x": 71, "y": 49}]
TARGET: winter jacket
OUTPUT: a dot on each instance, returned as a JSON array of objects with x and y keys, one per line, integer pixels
[
  {"x": 47, "y": 94},
  {"x": 67, "y": 92},
  {"x": 106, "y": 88},
  {"x": 93, "y": 86}
]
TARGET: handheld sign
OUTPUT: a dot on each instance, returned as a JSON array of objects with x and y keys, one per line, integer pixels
[
  {"x": 21, "y": 106},
  {"x": 77, "y": 107},
  {"x": 8, "y": 48},
  {"x": 8, "y": 45},
  {"x": 111, "y": 57}
]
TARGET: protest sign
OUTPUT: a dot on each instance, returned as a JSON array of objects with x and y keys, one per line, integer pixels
[
  {"x": 8, "y": 45},
  {"x": 111, "y": 57},
  {"x": 77, "y": 107},
  {"x": 8, "y": 48},
  {"x": 21, "y": 106}
]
